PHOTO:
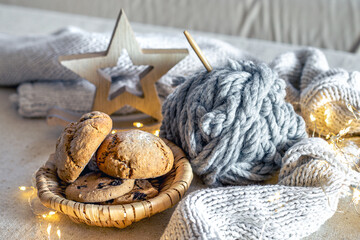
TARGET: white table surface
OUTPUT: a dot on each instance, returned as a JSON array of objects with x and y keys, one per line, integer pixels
[{"x": 25, "y": 144}]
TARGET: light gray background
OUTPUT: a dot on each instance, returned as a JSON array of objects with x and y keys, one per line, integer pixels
[{"x": 333, "y": 24}]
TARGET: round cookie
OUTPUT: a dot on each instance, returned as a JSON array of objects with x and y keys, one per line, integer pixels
[
  {"x": 97, "y": 187},
  {"x": 134, "y": 154},
  {"x": 142, "y": 190},
  {"x": 78, "y": 143}
]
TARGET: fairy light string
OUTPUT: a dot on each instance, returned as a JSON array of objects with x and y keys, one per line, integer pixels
[
  {"x": 48, "y": 220},
  {"x": 336, "y": 140},
  {"x": 53, "y": 231},
  {"x": 45, "y": 219}
]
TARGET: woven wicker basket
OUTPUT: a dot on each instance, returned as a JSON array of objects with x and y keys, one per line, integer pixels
[{"x": 172, "y": 187}]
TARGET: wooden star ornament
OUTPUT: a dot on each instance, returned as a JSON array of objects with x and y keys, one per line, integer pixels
[{"x": 89, "y": 65}]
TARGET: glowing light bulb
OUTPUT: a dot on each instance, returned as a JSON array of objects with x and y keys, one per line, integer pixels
[
  {"x": 48, "y": 230},
  {"x": 327, "y": 114},
  {"x": 22, "y": 188},
  {"x": 138, "y": 124},
  {"x": 350, "y": 107},
  {"x": 156, "y": 133},
  {"x": 324, "y": 101},
  {"x": 312, "y": 118},
  {"x": 327, "y": 120},
  {"x": 344, "y": 131},
  {"x": 356, "y": 196},
  {"x": 275, "y": 197}
]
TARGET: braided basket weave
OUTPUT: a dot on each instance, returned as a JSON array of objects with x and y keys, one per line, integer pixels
[{"x": 172, "y": 187}]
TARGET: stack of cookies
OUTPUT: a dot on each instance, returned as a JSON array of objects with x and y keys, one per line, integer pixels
[{"x": 104, "y": 168}]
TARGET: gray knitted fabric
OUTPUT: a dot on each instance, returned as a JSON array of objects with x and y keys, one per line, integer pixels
[
  {"x": 46, "y": 83},
  {"x": 315, "y": 89},
  {"x": 233, "y": 123},
  {"x": 311, "y": 181}
]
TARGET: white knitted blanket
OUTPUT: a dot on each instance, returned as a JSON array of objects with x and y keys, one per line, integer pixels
[{"x": 311, "y": 181}]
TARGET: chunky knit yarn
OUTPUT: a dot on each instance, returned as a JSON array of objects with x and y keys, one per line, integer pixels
[
  {"x": 310, "y": 185},
  {"x": 323, "y": 95},
  {"x": 232, "y": 122}
]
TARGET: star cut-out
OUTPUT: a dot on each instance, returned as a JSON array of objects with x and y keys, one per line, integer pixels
[{"x": 160, "y": 61}]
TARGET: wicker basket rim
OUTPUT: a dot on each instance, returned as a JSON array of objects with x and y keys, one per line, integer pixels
[{"x": 122, "y": 215}]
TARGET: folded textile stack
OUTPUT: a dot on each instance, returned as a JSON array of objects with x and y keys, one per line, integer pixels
[{"x": 45, "y": 83}]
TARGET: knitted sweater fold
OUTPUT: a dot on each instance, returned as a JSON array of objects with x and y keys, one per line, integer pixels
[
  {"x": 328, "y": 98},
  {"x": 311, "y": 181}
]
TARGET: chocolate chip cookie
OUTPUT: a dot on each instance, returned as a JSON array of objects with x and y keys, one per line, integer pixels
[
  {"x": 78, "y": 143},
  {"x": 142, "y": 190},
  {"x": 97, "y": 187},
  {"x": 134, "y": 154}
]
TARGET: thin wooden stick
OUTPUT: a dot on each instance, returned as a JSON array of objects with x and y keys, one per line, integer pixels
[{"x": 198, "y": 51}]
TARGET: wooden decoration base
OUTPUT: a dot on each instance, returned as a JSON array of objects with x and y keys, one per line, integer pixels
[{"x": 60, "y": 117}]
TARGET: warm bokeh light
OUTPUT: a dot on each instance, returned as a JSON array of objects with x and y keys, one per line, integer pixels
[
  {"x": 275, "y": 197},
  {"x": 327, "y": 121},
  {"x": 138, "y": 124},
  {"x": 48, "y": 230},
  {"x": 324, "y": 101},
  {"x": 312, "y": 118},
  {"x": 52, "y": 213},
  {"x": 356, "y": 196},
  {"x": 344, "y": 131}
]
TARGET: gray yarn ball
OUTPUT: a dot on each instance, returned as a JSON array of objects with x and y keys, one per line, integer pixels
[{"x": 232, "y": 122}]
